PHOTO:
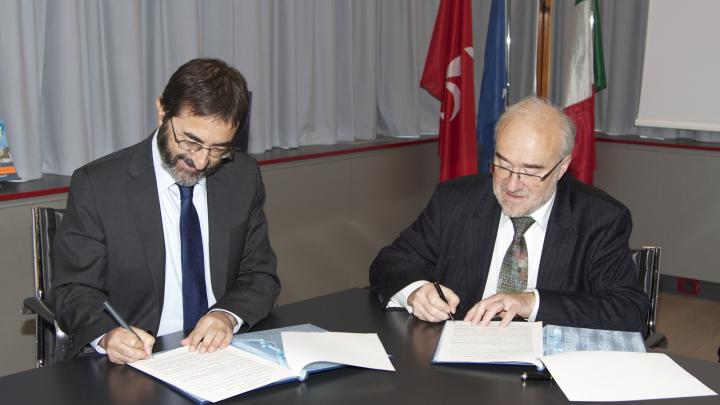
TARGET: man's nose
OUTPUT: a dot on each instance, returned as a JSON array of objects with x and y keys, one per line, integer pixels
[
  {"x": 514, "y": 182},
  {"x": 200, "y": 159}
]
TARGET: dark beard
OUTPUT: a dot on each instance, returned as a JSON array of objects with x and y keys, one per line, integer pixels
[{"x": 170, "y": 162}]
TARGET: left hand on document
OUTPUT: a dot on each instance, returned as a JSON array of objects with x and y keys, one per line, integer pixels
[
  {"x": 213, "y": 331},
  {"x": 506, "y": 306}
]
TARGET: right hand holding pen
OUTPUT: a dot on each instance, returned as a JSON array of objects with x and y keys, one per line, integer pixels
[
  {"x": 124, "y": 347},
  {"x": 428, "y": 306}
]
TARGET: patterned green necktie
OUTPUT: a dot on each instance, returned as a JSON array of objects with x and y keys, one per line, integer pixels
[{"x": 514, "y": 269}]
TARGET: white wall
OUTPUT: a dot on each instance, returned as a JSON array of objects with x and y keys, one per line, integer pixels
[{"x": 674, "y": 197}]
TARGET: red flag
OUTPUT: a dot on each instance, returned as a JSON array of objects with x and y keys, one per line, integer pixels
[{"x": 448, "y": 76}]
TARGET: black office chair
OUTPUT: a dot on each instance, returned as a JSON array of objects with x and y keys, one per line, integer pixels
[
  {"x": 52, "y": 344},
  {"x": 647, "y": 264}
]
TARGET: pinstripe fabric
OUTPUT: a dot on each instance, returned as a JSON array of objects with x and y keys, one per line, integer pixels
[{"x": 586, "y": 274}]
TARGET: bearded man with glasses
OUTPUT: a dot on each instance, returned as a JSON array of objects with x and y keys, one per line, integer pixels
[
  {"x": 171, "y": 231},
  {"x": 529, "y": 241}
]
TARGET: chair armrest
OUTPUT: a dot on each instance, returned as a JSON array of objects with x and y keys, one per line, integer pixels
[{"x": 33, "y": 305}]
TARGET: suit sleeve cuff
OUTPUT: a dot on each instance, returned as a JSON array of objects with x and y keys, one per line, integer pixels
[
  {"x": 399, "y": 300},
  {"x": 237, "y": 318}
]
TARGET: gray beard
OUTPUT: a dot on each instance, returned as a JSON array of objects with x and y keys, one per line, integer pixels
[{"x": 169, "y": 162}]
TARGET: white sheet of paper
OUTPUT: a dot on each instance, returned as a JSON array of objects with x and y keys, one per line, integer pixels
[
  {"x": 213, "y": 376},
  {"x": 462, "y": 342},
  {"x": 621, "y": 376},
  {"x": 354, "y": 349}
]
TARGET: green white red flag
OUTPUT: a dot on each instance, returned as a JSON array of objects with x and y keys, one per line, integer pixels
[{"x": 587, "y": 77}]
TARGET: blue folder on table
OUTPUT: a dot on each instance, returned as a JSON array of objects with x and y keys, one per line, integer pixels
[
  {"x": 531, "y": 348},
  {"x": 268, "y": 345}
]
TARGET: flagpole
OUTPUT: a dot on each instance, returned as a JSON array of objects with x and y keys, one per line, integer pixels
[{"x": 507, "y": 50}]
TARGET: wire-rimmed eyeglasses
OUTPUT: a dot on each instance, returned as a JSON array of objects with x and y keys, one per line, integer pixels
[
  {"x": 215, "y": 152},
  {"x": 527, "y": 178}
]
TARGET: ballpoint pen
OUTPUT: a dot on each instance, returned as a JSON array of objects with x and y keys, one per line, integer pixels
[
  {"x": 442, "y": 297},
  {"x": 119, "y": 319}
]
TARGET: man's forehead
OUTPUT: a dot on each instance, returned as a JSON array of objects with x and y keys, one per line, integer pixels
[{"x": 528, "y": 144}]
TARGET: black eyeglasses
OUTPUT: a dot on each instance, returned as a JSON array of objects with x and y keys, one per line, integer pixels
[
  {"x": 215, "y": 152},
  {"x": 527, "y": 178}
]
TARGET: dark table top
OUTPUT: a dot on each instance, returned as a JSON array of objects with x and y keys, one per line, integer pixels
[{"x": 411, "y": 343}]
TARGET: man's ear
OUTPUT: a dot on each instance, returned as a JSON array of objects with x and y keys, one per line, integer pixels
[
  {"x": 160, "y": 111},
  {"x": 564, "y": 166}
]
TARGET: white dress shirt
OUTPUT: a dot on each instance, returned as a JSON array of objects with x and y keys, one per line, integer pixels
[{"x": 534, "y": 239}]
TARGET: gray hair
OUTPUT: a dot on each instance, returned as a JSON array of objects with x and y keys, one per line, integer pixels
[{"x": 541, "y": 110}]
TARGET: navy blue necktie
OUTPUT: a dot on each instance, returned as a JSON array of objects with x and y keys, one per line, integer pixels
[{"x": 193, "y": 262}]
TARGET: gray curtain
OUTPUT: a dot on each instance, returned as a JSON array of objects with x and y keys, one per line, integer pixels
[
  {"x": 623, "y": 33},
  {"x": 79, "y": 77}
]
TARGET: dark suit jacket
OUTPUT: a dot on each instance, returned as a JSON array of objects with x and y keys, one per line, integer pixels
[
  {"x": 110, "y": 245},
  {"x": 586, "y": 276}
]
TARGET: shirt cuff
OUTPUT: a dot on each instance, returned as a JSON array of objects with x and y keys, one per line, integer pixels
[
  {"x": 534, "y": 312},
  {"x": 95, "y": 345},
  {"x": 237, "y": 318},
  {"x": 399, "y": 300}
]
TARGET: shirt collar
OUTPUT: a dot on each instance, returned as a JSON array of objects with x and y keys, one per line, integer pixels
[
  {"x": 540, "y": 215},
  {"x": 162, "y": 177}
]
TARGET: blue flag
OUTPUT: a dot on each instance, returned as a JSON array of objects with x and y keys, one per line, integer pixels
[{"x": 494, "y": 84}]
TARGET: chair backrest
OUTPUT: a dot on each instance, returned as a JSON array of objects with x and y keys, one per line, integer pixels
[
  {"x": 647, "y": 264},
  {"x": 51, "y": 341},
  {"x": 45, "y": 225}
]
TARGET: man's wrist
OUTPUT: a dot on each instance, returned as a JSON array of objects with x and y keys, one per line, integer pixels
[{"x": 230, "y": 319}]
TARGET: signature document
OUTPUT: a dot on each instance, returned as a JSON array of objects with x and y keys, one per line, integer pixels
[
  {"x": 212, "y": 377},
  {"x": 518, "y": 343}
]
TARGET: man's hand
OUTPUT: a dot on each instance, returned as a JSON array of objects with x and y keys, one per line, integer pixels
[
  {"x": 124, "y": 347},
  {"x": 213, "y": 331},
  {"x": 504, "y": 305},
  {"x": 428, "y": 306}
]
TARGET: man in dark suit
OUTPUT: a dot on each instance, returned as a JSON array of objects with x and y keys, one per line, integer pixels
[
  {"x": 530, "y": 241},
  {"x": 170, "y": 231}
]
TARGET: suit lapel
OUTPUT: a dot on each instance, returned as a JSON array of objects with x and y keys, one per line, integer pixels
[
  {"x": 218, "y": 206},
  {"x": 142, "y": 194},
  {"x": 560, "y": 239},
  {"x": 484, "y": 225}
]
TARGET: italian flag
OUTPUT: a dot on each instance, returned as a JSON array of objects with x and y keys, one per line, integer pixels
[{"x": 586, "y": 77}]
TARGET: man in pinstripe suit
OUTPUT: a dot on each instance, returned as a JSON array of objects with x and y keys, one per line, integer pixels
[{"x": 579, "y": 271}]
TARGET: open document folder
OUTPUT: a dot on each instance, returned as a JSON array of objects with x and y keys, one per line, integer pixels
[
  {"x": 225, "y": 373},
  {"x": 587, "y": 364},
  {"x": 526, "y": 343}
]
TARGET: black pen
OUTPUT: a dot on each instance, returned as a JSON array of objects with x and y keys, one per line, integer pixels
[
  {"x": 442, "y": 297},
  {"x": 541, "y": 375},
  {"x": 119, "y": 319}
]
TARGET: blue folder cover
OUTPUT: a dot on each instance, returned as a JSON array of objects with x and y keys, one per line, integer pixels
[
  {"x": 268, "y": 345},
  {"x": 558, "y": 339}
]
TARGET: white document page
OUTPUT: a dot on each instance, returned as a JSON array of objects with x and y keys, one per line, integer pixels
[
  {"x": 621, "y": 376},
  {"x": 213, "y": 376},
  {"x": 353, "y": 349},
  {"x": 462, "y": 342}
]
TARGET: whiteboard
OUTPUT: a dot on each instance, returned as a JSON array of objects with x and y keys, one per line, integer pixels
[{"x": 681, "y": 72}]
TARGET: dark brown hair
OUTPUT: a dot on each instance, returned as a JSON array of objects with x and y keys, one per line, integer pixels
[{"x": 207, "y": 88}]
